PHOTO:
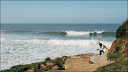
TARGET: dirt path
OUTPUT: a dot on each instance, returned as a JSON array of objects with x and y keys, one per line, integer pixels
[{"x": 84, "y": 62}]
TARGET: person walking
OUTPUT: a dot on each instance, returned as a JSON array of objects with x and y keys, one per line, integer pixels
[{"x": 101, "y": 50}]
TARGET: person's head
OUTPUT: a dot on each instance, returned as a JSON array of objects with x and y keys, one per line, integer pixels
[{"x": 100, "y": 44}]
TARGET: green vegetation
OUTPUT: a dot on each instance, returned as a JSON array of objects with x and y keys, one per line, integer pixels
[
  {"x": 120, "y": 65},
  {"x": 36, "y": 67},
  {"x": 18, "y": 68},
  {"x": 122, "y": 31},
  {"x": 59, "y": 63},
  {"x": 115, "y": 55},
  {"x": 47, "y": 59}
]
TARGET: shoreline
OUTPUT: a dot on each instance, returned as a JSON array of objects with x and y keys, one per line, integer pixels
[{"x": 81, "y": 62}]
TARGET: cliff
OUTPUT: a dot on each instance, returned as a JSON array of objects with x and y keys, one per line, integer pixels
[{"x": 118, "y": 51}]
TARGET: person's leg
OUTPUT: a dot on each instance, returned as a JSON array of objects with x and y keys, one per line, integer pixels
[{"x": 100, "y": 52}]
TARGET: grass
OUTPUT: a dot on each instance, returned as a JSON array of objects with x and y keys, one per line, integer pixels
[
  {"x": 37, "y": 66},
  {"x": 120, "y": 65},
  {"x": 18, "y": 68},
  {"x": 115, "y": 55}
]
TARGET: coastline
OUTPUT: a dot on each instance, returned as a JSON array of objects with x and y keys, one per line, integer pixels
[
  {"x": 83, "y": 62},
  {"x": 114, "y": 60},
  {"x": 35, "y": 45}
]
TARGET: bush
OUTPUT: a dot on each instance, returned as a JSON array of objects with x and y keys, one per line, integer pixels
[
  {"x": 110, "y": 56},
  {"x": 122, "y": 30},
  {"x": 48, "y": 59},
  {"x": 113, "y": 56},
  {"x": 59, "y": 63},
  {"x": 17, "y": 68}
]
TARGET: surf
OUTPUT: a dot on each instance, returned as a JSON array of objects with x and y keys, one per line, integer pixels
[{"x": 81, "y": 33}]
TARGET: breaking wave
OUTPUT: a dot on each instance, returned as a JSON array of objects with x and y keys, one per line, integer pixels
[
  {"x": 82, "y": 33},
  {"x": 68, "y": 33}
]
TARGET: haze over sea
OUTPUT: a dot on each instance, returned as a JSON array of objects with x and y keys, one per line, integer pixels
[{"x": 29, "y": 43}]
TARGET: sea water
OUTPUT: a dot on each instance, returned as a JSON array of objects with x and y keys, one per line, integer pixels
[{"x": 30, "y": 43}]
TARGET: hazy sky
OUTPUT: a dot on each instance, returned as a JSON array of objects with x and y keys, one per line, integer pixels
[{"x": 63, "y": 11}]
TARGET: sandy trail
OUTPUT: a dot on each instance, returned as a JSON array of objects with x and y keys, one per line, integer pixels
[{"x": 82, "y": 62}]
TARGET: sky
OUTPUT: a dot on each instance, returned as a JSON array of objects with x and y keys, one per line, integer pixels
[{"x": 63, "y": 12}]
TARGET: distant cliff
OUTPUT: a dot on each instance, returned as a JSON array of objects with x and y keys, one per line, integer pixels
[{"x": 118, "y": 51}]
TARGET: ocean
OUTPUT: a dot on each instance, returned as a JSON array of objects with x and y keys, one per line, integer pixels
[{"x": 30, "y": 43}]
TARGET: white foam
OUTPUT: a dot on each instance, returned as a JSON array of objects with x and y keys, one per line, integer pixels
[
  {"x": 99, "y": 32},
  {"x": 80, "y": 33}
]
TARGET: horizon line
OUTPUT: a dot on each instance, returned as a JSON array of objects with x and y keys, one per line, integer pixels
[{"x": 60, "y": 23}]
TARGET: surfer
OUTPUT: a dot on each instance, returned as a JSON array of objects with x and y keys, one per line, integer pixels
[{"x": 101, "y": 48}]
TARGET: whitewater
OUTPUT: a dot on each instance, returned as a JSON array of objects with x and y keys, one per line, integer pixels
[{"x": 30, "y": 43}]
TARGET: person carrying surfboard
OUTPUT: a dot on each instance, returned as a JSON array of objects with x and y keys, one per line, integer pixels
[{"x": 101, "y": 49}]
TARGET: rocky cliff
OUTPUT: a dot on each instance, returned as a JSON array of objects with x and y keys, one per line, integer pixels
[
  {"x": 118, "y": 51},
  {"x": 119, "y": 47}
]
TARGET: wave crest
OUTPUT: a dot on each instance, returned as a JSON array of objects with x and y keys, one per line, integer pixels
[{"x": 68, "y": 33}]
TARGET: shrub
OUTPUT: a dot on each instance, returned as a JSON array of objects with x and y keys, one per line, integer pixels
[
  {"x": 17, "y": 68},
  {"x": 47, "y": 59},
  {"x": 59, "y": 63},
  {"x": 110, "y": 56},
  {"x": 122, "y": 30},
  {"x": 114, "y": 56}
]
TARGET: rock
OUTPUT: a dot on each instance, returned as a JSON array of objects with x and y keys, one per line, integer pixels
[
  {"x": 42, "y": 66},
  {"x": 55, "y": 67},
  {"x": 30, "y": 70},
  {"x": 49, "y": 64},
  {"x": 64, "y": 58}
]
